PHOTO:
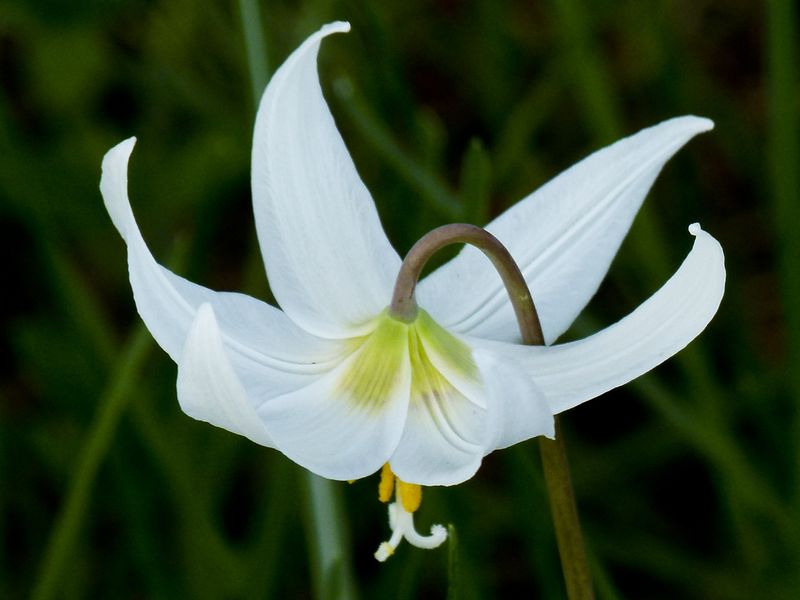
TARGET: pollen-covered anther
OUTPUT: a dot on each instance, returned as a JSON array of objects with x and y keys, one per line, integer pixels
[
  {"x": 401, "y": 516},
  {"x": 410, "y": 495},
  {"x": 386, "y": 485}
]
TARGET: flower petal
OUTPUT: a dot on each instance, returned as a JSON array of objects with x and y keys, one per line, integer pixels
[
  {"x": 329, "y": 263},
  {"x": 446, "y": 429},
  {"x": 208, "y": 387},
  {"x": 569, "y": 374},
  {"x": 257, "y": 336},
  {"x": 518, "y": 410},
  {"x": 563, "y": 236},
  {"x": 443, "y": 440},
  {"x": 447, "y": 433},
  {"x": 346, "y": 424}
]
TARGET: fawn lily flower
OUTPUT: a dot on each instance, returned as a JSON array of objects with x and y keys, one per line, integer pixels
[{"x": 343, "y": 388}]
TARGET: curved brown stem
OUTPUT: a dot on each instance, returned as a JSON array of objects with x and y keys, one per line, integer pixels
[{"x": 404, "y": 305}]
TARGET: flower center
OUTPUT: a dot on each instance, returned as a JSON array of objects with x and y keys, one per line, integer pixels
[{"x": 394, "y": 346}]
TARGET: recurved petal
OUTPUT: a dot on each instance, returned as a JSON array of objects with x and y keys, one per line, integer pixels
[
  {"x": 347, "y": 423},
  {"x": 254, "y": 334},
  {"x": 208, "y": 387},
  {"x": 329, "y": 263},
  {"x": 569, "y": 374},
  {"x": 563, "y": 236}
]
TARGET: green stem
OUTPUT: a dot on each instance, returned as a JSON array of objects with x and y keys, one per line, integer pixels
[
  {"x": 255, "y": 47},
  {"x": 453, "y": 567},
  {"x": 783, "y": 155},
  {"x": 265, "y": 556},
  {"x": 571, "y": 548},
  {"x": 375, "y": 133},
  {"x": 112, "y": 405},
  {"x": 211, "y": 566},
  {"x": 330, "y": 565}
]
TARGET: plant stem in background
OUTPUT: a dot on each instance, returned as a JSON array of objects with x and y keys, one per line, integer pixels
[
  {"x": 783, "y": 155},
  {"x": 330, "y": 568},
  {"x": 453, "y": 567},
  {"x": 112, "y": 405},
  {"x": 256, "y": 49},
  {"x": 428, "y": 185}
]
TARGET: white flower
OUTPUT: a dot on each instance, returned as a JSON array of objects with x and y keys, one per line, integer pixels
[{"x": 341, "y": 387}]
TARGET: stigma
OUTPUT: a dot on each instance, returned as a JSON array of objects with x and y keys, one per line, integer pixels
[{"x": 408, "y": 497}]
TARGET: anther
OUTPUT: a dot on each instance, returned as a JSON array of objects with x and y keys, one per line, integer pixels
[
  {"x": 386, "y": 485},
  {"x": 410, "y": 495}
]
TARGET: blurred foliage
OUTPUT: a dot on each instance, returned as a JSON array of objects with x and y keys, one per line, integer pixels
[{"x": 688, "y": 479}]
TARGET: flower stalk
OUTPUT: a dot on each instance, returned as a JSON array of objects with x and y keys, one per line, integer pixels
[
  {"x": 571, "y": 548},
  {"x": 403, "y": 307}
]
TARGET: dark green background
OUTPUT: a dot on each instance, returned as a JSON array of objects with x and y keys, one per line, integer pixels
[{"x": 688, "y": 480}]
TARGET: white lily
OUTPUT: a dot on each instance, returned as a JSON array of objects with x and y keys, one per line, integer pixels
[{"x": 343, "y": 388}]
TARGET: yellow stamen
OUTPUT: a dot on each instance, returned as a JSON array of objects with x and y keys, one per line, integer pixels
[
  {"x": 386, "y": 485},
  {"x": 410, "y": 495}
]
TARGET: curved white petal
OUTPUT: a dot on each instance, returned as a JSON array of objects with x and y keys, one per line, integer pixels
[
  {"x": 443, "y": 440},
  {"x": 329, "y": 263},
  {"x": 569, "y": 374},
  {"x": 446, "y": 430},
  {"x": 563, "y": 236},
  {"x": 208, "y": 388},
  {"x": 518, "y": 410},
  {"x": 257, "y": 337},
  {"x": 448, "y": 433},
  {"x": 347, "y": 423}
]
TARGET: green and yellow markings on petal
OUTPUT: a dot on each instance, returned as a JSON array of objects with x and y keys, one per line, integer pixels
[
  {"x": 374, "y": 373},
  {"x": 372, "y": 376},
  {"x": 436, "y": 339}
]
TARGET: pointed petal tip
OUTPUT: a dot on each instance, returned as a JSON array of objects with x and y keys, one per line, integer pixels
[
  {"x": 707, "y": 123},
  {"x": 701, "y": 233},
  {"x": 690, "y": 124},
  {"x": 335, "y": 27},
  {"x": 126, "y": 143},
  {"x": 122, "y": 150},
  {"x": 684, "y": 127},
  {"x": 114, "y": 185},
  {"x": 701, "y": 124}
]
